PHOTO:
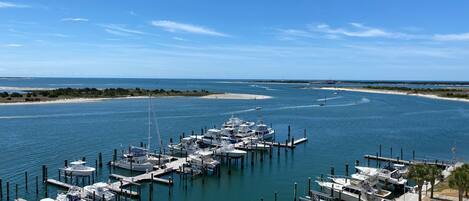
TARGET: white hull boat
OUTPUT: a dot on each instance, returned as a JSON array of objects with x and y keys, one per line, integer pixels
[{"x": 78, "y": 168}]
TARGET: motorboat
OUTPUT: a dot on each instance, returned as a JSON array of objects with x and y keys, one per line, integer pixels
[
  {"x": 386, "y": 175},
  {"x": 203, "y": 160},
  {"x": 73, "y": 194},
  {"x": 78, "y": 168},
  {"x": 229, "y": 150},
  {"x": 360, "y": 187},
  {"x": 245, "y": 130},
  {"x": 100, "y": 191},
  {"x": 264, "y": 132},
  {"x": 188, "y": 145},
  {"x": 136, "y": 159}
]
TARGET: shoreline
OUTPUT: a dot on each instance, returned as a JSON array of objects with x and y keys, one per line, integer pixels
[
  {"x": 71, "y": 100},
  {"x": 236, "y": 96},
  {"x": 376, "y": 91}
]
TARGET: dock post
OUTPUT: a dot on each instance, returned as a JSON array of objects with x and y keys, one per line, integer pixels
[
  {"x": 229, "y": 164},
  {"x": 294, "y": 191},
  {"x": 252, "y": 158},
  {"x": 26, "y": 181},
  {"x": 278, "y": 148},
  {"x": 141, "y": 144},
  {"x": 94, "y": 195},
  {"x": 46, "y": 193},
  {"x": 270, "y": 152},
  {"x": 413, "y": 154},
  {"x": 289, "y": 129},
  {"x": 332, "y": 171},
  {"x": 1, "y": 189},
  {"x": 275, "y": 196},
  {"x": 377, "y": 159},
  {"x": 37, "y": 185},
  {"x": 391, "y": 152},
  {"x": 114, "y": 156},
  {"x": 357, "y": 163},
  {"x": 309, "y": 186},
  {"x": 292, "y": 142},
  {"x": 402, "y": 154},
  {"x": 242, "y": 162},
  {"x": 43, "y": 173},
  {"x": 83, "y": 159},
  {"x": 304, "y": 133},
  {"x": 380, "y": 150},
  {"x": 368, "y": 162},
  {"x": 346, "y": 171},
  {"x": 8, "y": 190},
  {"x": 59, "y": 174},
  {"x": 150, "y": 193},
  {"x": 96, "y": 167},
  {"x": 100, "y": 160},
  {"x": 16, "y": 191}
]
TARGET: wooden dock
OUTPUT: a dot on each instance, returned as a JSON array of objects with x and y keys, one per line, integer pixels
[
  {"x": 126, "y": 181},
  {"x": 59, "y": 184},
  {"x": 290, "y": 144},
  {"x": 440, "y": 164}
]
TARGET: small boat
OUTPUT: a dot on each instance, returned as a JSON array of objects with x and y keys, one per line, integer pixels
[
  {"x": 385, "y": 175},
  {"x": 137, "y": 159},
  {"x": 229, "y": 150},
  {"x": 100, "y": 191},
  {"x": 202, "y": 160},
  {"x": 73, "y": 194},
  {"x": 78, "y": 168},
  {"x": 263, "y": 132},
  {"x": 188, "y": 145},
  {"x": 360, "y": 188}
]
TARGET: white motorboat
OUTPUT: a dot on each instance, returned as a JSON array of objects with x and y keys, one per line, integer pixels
[
  {"x": 188, "y": 145},
  {"x": 403, "y": 169},
  {"x": 137, "y": 159},
  {"x": 73, "y": 194},
  {"x": 78, "y": 168},
  {"x": 203, "y": 160},
  {"x": 263, "y": 132},
  {"x": 352, "y": 189},
  {"x": 229, "y": 150},
  {"x": 385, "y": 175},
  {"x": 245, "y": 130},
  {"x": 100, "y": 191}
]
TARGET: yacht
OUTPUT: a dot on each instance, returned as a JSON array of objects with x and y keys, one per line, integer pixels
[
  {"x": 215, "y": 137},
  {"x": 386, "y": 175},
  {"x": 245, "y": 130},
  {"x": 202, "y": 160},
  {"x": 136, "y": 159},
  {"x": 263, "y": 132},
  {"x": 100, "y": 191},
  {"x": 73, "y": 194},
  {"x": 188, "y": 145},
  {"x": 358, "y": 187},
  {"x": 227, "y": 149},
  {"x": 78, "y": 168}
]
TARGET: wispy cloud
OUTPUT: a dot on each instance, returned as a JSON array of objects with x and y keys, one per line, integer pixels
[
  {"x": 121, "y": 30},
  {"x": 13, "y": 45},
  {"x": 451, "y": 37},
  {"x": 172, "y": 26},
  {"x": 4, "y": 4},
  {"x": 75, "y": 19},
  {"x": 359, "y": 30},
  {"x": 132, "y": 13}
]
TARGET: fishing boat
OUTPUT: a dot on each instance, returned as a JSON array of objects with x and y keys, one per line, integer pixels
[
  {"x": 136, "y": 159},
  {"x": 78, "y": 168},
  {"x": 229, "y": 150},
  {"x": 263, "y": 132},
  {"x": 387, "y": 175},
  {"x": 188, "y": 145},
  {"x": 98, "y": 191},
  {"x": 360, "y": 187},
  {"x": 73, "y": 194},
  {"x": 202, "y": 160}
]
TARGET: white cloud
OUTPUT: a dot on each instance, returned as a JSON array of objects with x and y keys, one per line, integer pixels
[
  {"x": 179, "y": 39},
  {"x": 13, "y": 45},
  {"x": 360, "y": 30},
  {"x": 172, "y": 26},
  {"x": 121, "y": 30},
  {"x": 75, "y": 19},
  {"x": 4, "y": 4},
  {"x": 452, "y": 37}
]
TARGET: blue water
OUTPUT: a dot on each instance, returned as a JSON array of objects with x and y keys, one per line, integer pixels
[{"x": 350, "y": 125}]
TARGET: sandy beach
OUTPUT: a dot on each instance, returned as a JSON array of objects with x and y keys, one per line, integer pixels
[
  {"x": 235, "y": 96},
  {"x": 392, "y": 93},
  {"x": 72, "y": 100}
]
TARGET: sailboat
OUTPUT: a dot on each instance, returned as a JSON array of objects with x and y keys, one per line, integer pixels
[{"x": 139, "y": 158}]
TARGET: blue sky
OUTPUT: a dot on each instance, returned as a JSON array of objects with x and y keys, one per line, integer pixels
[{"x": 391, "y": 40}]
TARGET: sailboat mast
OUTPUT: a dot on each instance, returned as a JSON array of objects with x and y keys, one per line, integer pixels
[{"x": 149, "y": 123}]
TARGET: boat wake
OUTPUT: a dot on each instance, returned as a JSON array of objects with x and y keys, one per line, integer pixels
[
  {"x": 331, "y": 98},
  {"x": 262, "y": 87}
]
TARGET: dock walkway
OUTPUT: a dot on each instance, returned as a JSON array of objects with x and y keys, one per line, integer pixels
[{"x": 440, "y": 164}]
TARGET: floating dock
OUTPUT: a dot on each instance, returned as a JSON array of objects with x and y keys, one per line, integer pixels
[
  {"x": 59, "y": 184},
  {"x": 440, "y": 164}
]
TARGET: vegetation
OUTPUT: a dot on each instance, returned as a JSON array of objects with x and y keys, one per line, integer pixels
[
  {"x": 366, "y": 82},
  {"x": 419, "y": 173},
  {"x": 459, "y": 180},
  {"x": 68, "y": 93},
  {"x": 434, "y": 173},
  {"x": 442, "y": 92}
]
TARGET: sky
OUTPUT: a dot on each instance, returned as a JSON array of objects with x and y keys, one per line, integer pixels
[{"x": 242, "y": 39}]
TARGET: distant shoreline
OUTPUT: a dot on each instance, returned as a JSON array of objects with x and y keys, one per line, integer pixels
[
  {"x": 379, "y": 91},
  {"x": 236, "y": 96},
  {"x": 72, "y": 100}
]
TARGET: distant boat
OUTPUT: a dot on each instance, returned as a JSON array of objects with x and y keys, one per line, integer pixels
[
  {"x": 324, "y": 103},
  {"x": 78, "y": 168}
]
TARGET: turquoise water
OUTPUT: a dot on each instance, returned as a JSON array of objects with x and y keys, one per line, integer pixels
[{"x": 351, "y": 125}]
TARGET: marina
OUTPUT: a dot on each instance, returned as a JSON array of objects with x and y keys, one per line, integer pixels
[{"x": 292, "y": 155}]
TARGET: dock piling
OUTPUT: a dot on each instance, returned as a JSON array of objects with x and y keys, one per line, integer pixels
[
  {"x": 402, "y": 154},
  {"x": 275, "y": 196},
  {"x": 295, "y": 186},
  {"x": 8, "y": 190},
  {"x": 37, "y": 185},
  {"x": 26, "y": 181},
  {"x": 346, "y": 171},
  {"x": 100, "y": 160},
  {"x": 309, "y": 186},
  {"x": 16, "y": 191},
  {"x": 1, "y": 189}
]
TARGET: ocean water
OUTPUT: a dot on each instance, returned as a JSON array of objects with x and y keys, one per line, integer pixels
[{"x": 350, "y": 125}]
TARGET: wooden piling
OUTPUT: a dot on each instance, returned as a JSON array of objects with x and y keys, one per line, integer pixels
[
  {"x": 413, "y": 154},
  {"x": 252, "y": 158},
  {"x": 332, "y": 171},
  {"x": 346, "y": 172},
  {"x": 26, "y": 181},
  {"x": 295, "y": 186},
  {"x": 37, "y": 185},
  {"x": 1, "y": 189},
  {"x": 150, "y": 193},
  {"x": 8, "y": 190},
  {"x": 114, "y": 156},
  {"x": 309, "y": 186},
  {"x": 289, "y": 130},
  {"x": 100, "y": 160},
  {"x": 275, "y": 196},
  {"x": 16, "y": 191},
  {"x": 390, "y": 151},
  {"x": 380, "y": 150}
]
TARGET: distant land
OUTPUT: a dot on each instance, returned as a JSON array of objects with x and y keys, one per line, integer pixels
[
  {"x": 45, "y": 95},
  {"x": 459, "y": 83}
]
